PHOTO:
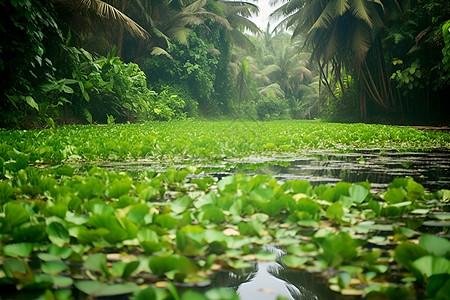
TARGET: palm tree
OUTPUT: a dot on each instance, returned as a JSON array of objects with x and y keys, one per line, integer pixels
[
  {"x": 97, "y": 21},
  {"x": 151, "y": 25},
  {"x": 237, "y": 14},
  {"x": 344, "y": 35}
]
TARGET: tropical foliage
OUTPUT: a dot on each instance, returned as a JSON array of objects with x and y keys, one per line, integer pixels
[{"x": 363, "y": 38}]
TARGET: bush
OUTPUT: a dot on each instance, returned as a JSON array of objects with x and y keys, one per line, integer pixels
[
  {"x": 272, "y": 108},
  {"x": 190, "y": 108}
]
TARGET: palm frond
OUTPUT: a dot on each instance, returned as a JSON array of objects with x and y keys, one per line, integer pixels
[
  {"x": 272, "y": 89},
  {"x": 160, "y": 51},
  {"x": 105, "y": 11},
  {"x": 360, "y": 11},
  {"x": 242, "y": 41},
  {"x": 361, "y": 43}
]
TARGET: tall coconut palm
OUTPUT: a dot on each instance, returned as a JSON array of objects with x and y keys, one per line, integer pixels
[
  {"x": 99, "y": 21},
  {"x": 150, "y": 25},
  {"x": 344, "y": 34},
  {"x": 238, "y": 13}
]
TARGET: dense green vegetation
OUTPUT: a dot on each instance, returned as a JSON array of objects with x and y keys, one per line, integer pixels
[
  {"x": 67, "y": 224},
  {"x": 208, "y": 140},
  {"x": 58, "y": 61},
  {"x": 72, "y": 229}
]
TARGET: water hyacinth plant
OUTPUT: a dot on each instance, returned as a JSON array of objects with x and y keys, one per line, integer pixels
[{"x": 70, "y": 228}]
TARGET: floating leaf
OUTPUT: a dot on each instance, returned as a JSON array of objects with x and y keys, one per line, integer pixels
[
  {"x": 54, "y": 267},
  {"x": 18, "y": 249},
  {"x": 58, "y": 234},
  {"x": 294, "y": 261},
  {"x": 100, "y": 289},
  {"x": 358, "y": 193},
  {"x": 431, "y": 265},
  {"x": 15, "y": 215},
  {"x": 97, "y": 262},
  {"x": 435, "y": 245}
]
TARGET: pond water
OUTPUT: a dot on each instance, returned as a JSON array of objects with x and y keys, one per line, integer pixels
[
  {"x": 269, "y": 280},
  {"x": 379, "y": 167}
]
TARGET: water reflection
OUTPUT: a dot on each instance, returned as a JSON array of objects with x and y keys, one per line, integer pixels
[
  {"x": 272, "y": 281},
  {"x": 431, "y": 169}
]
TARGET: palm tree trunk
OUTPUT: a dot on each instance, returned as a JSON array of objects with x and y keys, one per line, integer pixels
[{"x": 120, "y": 40}]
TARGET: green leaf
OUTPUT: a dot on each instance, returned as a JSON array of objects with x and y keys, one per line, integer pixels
[
  {"x": 97, "y": 262},
  {"x": 438, "y": 286},
  {"x": 58, "y": 234},
  {"x": 118, "y": 188},
  {"x": 130, "y": 268},
  {"x": 15, "y": 215},
  {"x": 18, "y": 249},
  {"x": 435, "y": 245},
  {"x": 100, "y": 289},
  {"x": 358, "y": 193},
  {"x": 54, "y": 267},
  {"x": 432, "y": 265},
  {"x": 30, "y": 101},
  {"x": 408, "y": 252},
  {"x": 181, "y": 204},
  {"x": 6, "y": 191},
  {"x": 192, "y": 295},
  {"x": 221, "y": 294},
  {"x": 335, "y": 211},
  {"x": 137, "y": 213},
  {"x": 395, "y": 195},
  {"x": 252, "y": 227},
  {"x": 294, "y": 261}
]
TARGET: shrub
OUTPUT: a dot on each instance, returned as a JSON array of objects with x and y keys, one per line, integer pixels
[{"x": 272, "y": 108}]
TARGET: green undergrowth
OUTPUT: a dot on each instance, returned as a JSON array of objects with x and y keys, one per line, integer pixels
[
  {"x": 203, "y": 140},
  {"x": 67, "y": 232}
]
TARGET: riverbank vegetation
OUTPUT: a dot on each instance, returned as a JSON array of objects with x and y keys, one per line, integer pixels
[
  {"x": 66, "y": 62},
  {"x": 87, "y": 83}
]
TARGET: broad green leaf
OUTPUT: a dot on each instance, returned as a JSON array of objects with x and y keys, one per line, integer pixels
[
  {"x": 58, "y": 234},
  {"x": 6, "y": 191},
  {"x": 18, "y": 249},
  {"x": 212, "y": 214},
  {"x": 116, "y": 233},
  {"x": 130, "y": 268},
  {"x": 100, "y": 289},
  {"x": 30, "y": 233},
  {"x": 438, "y": 286},
  {"x": 15, "y": 215},
  {"x": 54, "y": 267},
  {"x": 221, "y": 294},
  {"x": 97, "y": 262},
  {"x": 294, "y": 261},
  {"x": 180, "y": 204},
  {"x": 432, "y": 265},
  {"x": 335, "y": 211},
  {"x": 252, "y": 227},
  {"x": 12, "y": 266},
  {"x": 191, "y": 295},
  {"x": 358, "y": 193},
  {"x": 161, "y": 265},
  {"x": 118, "y": 188},
  {"x": 408, "y": 252},
  {"x": 395, "y": 195},
  {"x": 435, "y": 245}
]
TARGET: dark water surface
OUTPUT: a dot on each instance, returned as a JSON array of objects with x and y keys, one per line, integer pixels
[{"x": 379, "y": 167}]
